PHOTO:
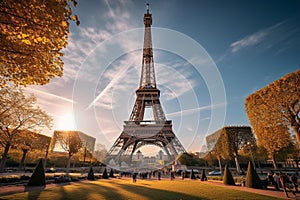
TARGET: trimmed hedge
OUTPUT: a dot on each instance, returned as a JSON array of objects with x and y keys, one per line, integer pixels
[
  {"x": 91, "y": 175},
  {"x": 252, "y": 179},
  {"x": 228, "y": 178},
  {"x": 38, "y": 176},
  {"x": 105, "y": 175}
]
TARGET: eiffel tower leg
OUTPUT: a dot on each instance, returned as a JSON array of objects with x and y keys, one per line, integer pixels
[
  {"x": 133, "y": 150},
  {"x": 168, "y": 153}
]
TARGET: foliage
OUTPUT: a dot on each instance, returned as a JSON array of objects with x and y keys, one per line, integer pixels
[
  {"x": 231, "y": 139},
  {"x": 252, "y": 179},
  {"x": 228, "y": 178},
  {"x": 203, "y": 176},
  {"x": 69, "y": 141},
  {"x": 91, "y": 175},
  {"x": 28, "y": 140},
  {"x": 100, "y": 152},
  {"x": 192, "y": 176},
  {"x": 33, "y": 33},
  {"x": 18, "y": 112},
  {"x": 38, "y": 176},
  {"x": 273, "y": 108},
  {"x": 105, "y": 175},
  {"x": 190, "y": 159},
  {"x": 111, "y": 173}
]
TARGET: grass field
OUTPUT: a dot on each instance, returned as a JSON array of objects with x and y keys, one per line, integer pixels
[{"x": 143, "y": 189}]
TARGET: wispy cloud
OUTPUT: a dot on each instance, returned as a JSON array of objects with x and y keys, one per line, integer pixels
[
  {"x": 193, "y": 110},
  {"x": 249, "y": 40},
  {"x": 49, "y": 94}
]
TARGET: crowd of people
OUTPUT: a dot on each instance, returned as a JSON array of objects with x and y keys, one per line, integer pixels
[{"x": 286, "y": 181}]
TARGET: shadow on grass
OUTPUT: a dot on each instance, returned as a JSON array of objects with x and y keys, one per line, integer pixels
[{"x": 152, "y": 193}]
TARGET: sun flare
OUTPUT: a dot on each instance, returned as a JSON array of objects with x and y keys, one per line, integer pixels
[{"x": 67, "y": 122}]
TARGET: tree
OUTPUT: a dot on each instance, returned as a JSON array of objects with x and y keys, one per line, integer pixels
[
  {"x": 273, "y": 138},
  {"x": 231, "y": 140},
  {"x": 100, "y": 152},
  {"x": 276, "y": 105},
  {"x": 33, "y": 33},
  {"x": 28, "y": 140},
  {"x": 18, "y": 112},
  {"x": 69, "y": 141}
]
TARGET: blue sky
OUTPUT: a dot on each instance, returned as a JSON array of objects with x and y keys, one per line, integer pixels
[{"x": 225, "y": 51}]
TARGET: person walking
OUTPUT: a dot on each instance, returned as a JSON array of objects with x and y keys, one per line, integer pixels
[
  {"x": 286, "y": 183},
  {"x": 277, "y": 181},
  {"x": 134, "y": 177},
  {"x": 295, "y": 181}
]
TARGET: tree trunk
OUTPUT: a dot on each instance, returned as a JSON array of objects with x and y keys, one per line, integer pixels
[
  {"x": 238, "y": 168},
  {"x": 273, "y": 161},
  {"x": 4, "y": 157},
  {"x": 297, "y": 134},
  {"x": 69, "y": 164},
  {"x": 23, "y": 158},
  {"x": 220, "y": 165},
  {"x": 46, "y": 157}
]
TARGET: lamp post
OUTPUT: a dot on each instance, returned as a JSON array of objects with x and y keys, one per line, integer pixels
[{"x": 252, "y": 157}]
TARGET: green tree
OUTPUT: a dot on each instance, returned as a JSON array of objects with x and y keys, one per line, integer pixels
[
  {"x": 276, "y": 105},
  {"x": 18, "y": 112},
  {"x": 33, "y": 33}
]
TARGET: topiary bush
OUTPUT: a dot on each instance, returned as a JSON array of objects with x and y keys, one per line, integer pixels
[
  {"x": 111, "y": 173},
  {"x": 228, "y": 178},
  {"x": 252, "y": 178},
  {"x": 203, "y": 176},
  {"x": 193, "y": 175},
  {"x": 105, "y": 175},
  {"x": 38, "y": 176},
  {"x": 91, "y": 175}
]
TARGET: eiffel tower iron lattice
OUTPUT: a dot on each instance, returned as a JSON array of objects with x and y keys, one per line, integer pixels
[{"x": 138, "y": 132}]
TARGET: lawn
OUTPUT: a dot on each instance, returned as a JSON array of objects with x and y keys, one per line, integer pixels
[{"x": 143, "y": 189}]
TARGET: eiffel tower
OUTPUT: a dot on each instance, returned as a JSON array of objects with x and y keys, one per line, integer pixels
[{"x": 138, "y": 132}]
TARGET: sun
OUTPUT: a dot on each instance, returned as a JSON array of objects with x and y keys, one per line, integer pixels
[{"x": 67, "y": 122}]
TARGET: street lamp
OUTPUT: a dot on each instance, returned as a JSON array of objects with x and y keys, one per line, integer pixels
[{"x": 250, "y": 146}]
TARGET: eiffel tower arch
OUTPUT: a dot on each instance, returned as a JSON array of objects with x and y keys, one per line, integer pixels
[{"x": 137, "y": 131}]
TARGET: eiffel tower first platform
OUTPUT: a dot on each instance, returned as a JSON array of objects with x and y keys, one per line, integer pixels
[{"x": 138, "y": 132}]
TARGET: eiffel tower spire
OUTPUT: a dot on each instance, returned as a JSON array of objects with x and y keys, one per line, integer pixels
[
  {"x": 147, "y": 75},
  {"x": 138, "y": 132}
]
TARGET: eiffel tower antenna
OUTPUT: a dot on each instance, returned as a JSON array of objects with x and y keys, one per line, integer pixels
[{"x": 138, "y": 132}]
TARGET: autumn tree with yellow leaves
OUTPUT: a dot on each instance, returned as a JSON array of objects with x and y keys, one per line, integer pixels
[
  {"x": 18, "y": 112},
  {"x": 274, "y": 110},
  {"x": 32, "y": 35}
]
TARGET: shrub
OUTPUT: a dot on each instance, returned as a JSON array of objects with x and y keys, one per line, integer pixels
[
  {"x": 252, "y": 179},
  {"x": 228, "y": 178},
  {"x": 203, "y": 176},
  {"x": 105, "y": 175},
  {"x": 193, "y": 175},
  {"x": 38, "y": 175},
  {"x": 111, "y": 173},
  {"x": 91, "y": 175}
]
